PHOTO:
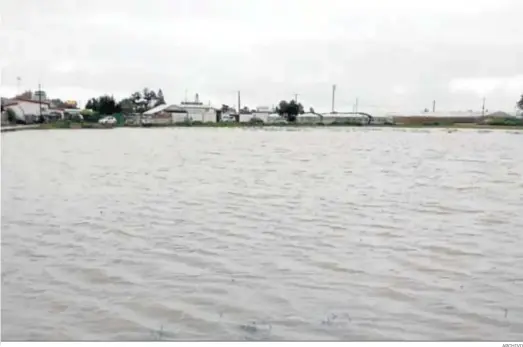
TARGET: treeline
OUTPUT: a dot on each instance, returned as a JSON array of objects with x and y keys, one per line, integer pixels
[{"x": 138, "y": 102}]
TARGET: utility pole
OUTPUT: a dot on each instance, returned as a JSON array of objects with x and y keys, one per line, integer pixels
[
  {"x": 18, "y": 83},
  {"x": 239, "y": 102},
  {"x": 296, "y": 97},
  {"x": 356, "y": 107},
  {"x": 333, "y": 96},
  {"x": 40, "y": 100},
  {"x": 483, "y": 108},
  {"x": 433, "y": 106}
]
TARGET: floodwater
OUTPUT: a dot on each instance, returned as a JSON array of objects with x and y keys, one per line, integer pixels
[{"x": 267, "y": 234}]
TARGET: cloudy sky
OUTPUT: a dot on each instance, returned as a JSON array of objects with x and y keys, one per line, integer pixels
[{"x": 392, "y": 55}]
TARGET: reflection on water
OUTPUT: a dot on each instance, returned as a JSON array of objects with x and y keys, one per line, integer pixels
[{"x": 271, "y": 234}]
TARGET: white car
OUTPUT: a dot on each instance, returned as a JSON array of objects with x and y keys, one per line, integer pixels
[
  {"x": 109, "y": 120},
  {"x": 227, "y": 118}
]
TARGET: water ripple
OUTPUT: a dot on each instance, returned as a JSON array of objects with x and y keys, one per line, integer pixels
[{"x": 262, "y": 234}]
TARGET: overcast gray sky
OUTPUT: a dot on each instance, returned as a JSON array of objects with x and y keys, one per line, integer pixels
[{"x": 393, "y": 55}]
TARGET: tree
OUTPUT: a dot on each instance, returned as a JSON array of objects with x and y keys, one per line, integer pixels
[
  {"x": 92, "y": 104},
  {"x": 139, "y": 102},
  {"x": 289, "y": 110},
  {"x": 160, "y": 100},
  {"x": 144, "y": 100},
  {"x": 59, "y": 103},
  {"x": 104, "y": 105},
  {"x": 25, "y": 95},
  {"x": 520, "y": 103},
  {"x": 127, "y": 105},
  {"x": 227, "y": 109},
  {"x": 149, "y": 96},
  {"x": 245, "y": 110}
]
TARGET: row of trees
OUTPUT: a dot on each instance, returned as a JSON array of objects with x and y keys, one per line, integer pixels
[{"x": 138, "y": 102}]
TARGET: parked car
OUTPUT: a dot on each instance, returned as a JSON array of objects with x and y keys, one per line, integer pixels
[
  {"x": 228, "y": 118},
  {"x": 109, "y": 120}
]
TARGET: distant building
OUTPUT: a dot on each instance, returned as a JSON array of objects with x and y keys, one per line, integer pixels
[
  {"x": 198, "y": 112},
  {"x": 28, "y": 111},
  {"x": 262, "y": 113},
  {"x": 275, "y": 118},
  {"x": 165, "y": 114},
  {"x": 308, "y": 118},
  {"x": 454, "y": 117},
  {"x": 39, "y": 95},
  {"x": 344, "y": 118}
]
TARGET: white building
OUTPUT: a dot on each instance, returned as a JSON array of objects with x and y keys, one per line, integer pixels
[
  {"x": 198, "y": 112},
  {"x": 308, "y": 118},
  {"x": 381, "y": 120},
  {"x": 246, "y": 117},
  {"x": 28, "y": 110},
  {"x": 165, "y": 114},
  {"x": 263, "y": 113},
  {"x": 344, "y": 118},
  {"x": 275, "y": 118}
]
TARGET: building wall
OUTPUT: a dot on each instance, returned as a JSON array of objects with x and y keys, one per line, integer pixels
[
  {"x": 381, "y": 120},
  {"x": 201, "y": 114},
  {"x": 19, "y": 113},
  {"x": 275, "y": 118},
  {"x": 264, "y": 116},
  {"x": 433, "y": 120},
  {"x": 245, "y": 118},
  {"x": 331, "y": 119},
  {"x": 308, "y": 118},
  {"x": 162, "y": 118},
  {"x": 179, "y": 117},
  {"x": 32, "y": 108},
  {"x": 5, "y": 118}
]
